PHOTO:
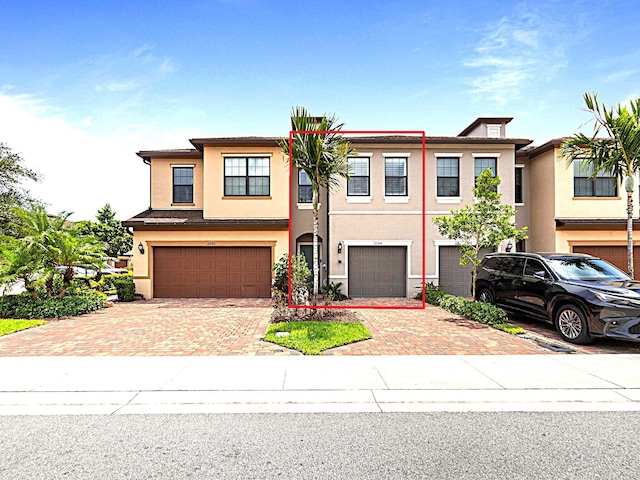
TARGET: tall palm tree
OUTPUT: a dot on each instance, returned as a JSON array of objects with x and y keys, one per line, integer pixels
[
  {"x": 614, "y": 148},
  {"x": 318, "y": 149}
]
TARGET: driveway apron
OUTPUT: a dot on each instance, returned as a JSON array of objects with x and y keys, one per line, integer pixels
[{"x": 233, "y": 327}]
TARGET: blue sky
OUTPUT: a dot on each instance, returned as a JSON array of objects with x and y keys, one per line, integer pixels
[{"x": 86, "y": 84}]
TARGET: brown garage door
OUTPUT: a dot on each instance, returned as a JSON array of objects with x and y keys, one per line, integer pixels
[
  {"x": 616, "y": 255},
  {"x": 377, "y": 271},
  {"x": 453, "y": 278},
  {"x": 211, "y": 272}
]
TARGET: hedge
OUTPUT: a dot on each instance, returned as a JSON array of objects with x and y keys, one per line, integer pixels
[{"x": 25, "y": 306}]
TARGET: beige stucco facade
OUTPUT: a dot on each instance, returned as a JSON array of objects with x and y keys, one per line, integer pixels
[
  {"x": 377, "y": 220},
  {"x": 552, "y": 203},
  {"x": 276, "y": 239},
  {"x": 212, "y": 219},
  {"x": 217, "y": 205}
]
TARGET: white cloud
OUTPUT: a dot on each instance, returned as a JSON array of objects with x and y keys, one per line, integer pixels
[
  {"x": 510, "y": 55},
  {"x": 81, "y": 172},
  {"x": 621, "y": 75}
]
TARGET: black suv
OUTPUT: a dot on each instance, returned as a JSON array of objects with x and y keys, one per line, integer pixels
[{"x": 583, "y": 296}]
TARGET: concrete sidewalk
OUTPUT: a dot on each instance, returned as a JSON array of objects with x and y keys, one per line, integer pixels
[{"x": 170, "y": 385}]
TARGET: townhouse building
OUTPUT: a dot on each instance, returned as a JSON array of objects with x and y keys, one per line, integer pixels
[
  {"x": 570, "y": 212},
  {"x": 223, "y": 212},
  {"x": 218, "y": 219}
]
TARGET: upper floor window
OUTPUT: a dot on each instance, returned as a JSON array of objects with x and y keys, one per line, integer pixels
[
  {"x": 395, "y": 176},
  {"x": 480, "y": 164},
  {"x": 358, "y": 184},
  {"x": 518, "y": 185},
  {"x": 305, "y": 191},
  {"x": 182, "y": 184},
  {"x": 448, "y": 182},
  {"x": 494, "y": 130},
  {"x": 246, "y": 176},
  {"x": 603, "y": 185}
]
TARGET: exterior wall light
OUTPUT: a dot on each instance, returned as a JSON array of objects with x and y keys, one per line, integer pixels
[
  {"x": 141, "y": 248},
  {"x": 339, "y": 247},
  {"x": 509, "y": 246}
]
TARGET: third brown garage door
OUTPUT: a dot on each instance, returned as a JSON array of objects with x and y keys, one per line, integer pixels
[
  {"x": 616, "y": 255},
  {"x": 377, "y": 271},
  {"x": 211, "y": 272}
]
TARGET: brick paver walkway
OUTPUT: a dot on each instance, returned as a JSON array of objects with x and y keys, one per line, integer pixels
[{"x": 234, "y": 327}]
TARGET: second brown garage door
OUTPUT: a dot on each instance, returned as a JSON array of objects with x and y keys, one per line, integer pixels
[
  {"x": 377, "y": 271},
  {"x": 211, "y": 272}
]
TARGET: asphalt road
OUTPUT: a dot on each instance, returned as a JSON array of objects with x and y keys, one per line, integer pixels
[{"x": 363, "y": 446}]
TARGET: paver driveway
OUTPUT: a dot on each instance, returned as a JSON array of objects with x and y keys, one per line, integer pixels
[{"x": 234, "y": 327}]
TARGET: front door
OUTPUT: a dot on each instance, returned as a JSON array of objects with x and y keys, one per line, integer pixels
[{"x": 306, "y": 249}]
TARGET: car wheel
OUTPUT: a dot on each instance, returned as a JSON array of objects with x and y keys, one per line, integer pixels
[
  {"x": 572, "y": 325},
  {"x": 485, "y": 296}
]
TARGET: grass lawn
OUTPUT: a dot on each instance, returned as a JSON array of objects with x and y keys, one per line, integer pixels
[
  {"x": 311, "y": 338},
  {"x": 9, "y": 325}
]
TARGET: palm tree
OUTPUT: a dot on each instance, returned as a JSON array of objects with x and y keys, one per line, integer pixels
[
  {"x": 47, "y": 246},
  {"x": 617, "y": 153},
  {"x": 319, "y": 150}
]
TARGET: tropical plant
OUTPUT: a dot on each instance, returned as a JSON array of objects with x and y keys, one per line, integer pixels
[
  {"x": 317, "y": 148},
  {"x": 613, "y": 148},
  {"x": 48, "y": 245},
  {"x": 484, "y": 224},
  {"x": 334, "y": 291}
]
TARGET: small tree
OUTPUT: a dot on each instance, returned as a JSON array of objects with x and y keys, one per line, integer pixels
[
  {"x": 12, "y": 192},
  {"x": 616, "y": 153},
  {"x": 109, "y": 230},
  {"x": 484, "y": 224}
]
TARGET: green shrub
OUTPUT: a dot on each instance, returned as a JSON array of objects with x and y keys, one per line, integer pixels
[
  {"x": 433, "y": 294},
  {"x": 25, "y": 306},
  {"x": 334, "y": 291},
  {"x": 125, "y": 288},
  {"x": 478, "y": 311}
]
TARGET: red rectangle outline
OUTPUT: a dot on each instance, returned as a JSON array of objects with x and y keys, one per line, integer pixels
[{"x": 424, "y": 211}]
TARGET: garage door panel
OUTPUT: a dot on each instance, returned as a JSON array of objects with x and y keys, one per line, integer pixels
[
  {"x": 377, "y": 271},
  {"x": 453, "y": 278},
  {"x": 204, "y": 272}
]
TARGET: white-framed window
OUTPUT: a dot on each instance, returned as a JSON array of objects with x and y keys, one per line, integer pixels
[
  {"x": 395, "y": 176},
  {"x": 448, "y": 177},
  {"x": 358, "y": 184},
  {"x": 305, "y": 191}
]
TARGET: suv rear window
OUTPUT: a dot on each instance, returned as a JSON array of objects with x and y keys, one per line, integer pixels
[{"x": 510, "y": 265}]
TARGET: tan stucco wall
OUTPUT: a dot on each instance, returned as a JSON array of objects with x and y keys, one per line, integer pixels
[
  {"x": 568, "y": 206},
  {"x": 216, "y": 205},
  {"x": 542, "y": 203},
  {"x": 566, "y": 239},
  {"x": 375, "y": 223},
  {"x": 143, "y": 263},
  {"x": 376, "y": 230},
  {"x": 162, "y": 183}
]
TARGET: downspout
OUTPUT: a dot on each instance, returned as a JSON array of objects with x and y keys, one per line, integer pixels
[{"x": 147, "y": 161}]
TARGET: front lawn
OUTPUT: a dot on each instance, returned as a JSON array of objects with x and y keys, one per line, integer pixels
[
  {"x": 10, "y": 325},
  {"x": 312, "y": 338}
]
